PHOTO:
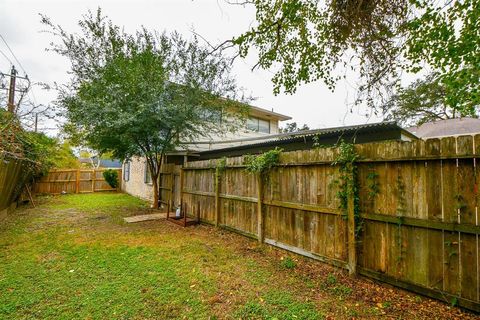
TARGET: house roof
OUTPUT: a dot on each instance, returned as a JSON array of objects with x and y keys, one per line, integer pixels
[
  {"x": 104, "y": 163},
  {"x": 267, "y": 113},
  {"x": 257, "y": 111},
  {"x": 303, "y": 136},
  {"x": 450, "y": 127}
]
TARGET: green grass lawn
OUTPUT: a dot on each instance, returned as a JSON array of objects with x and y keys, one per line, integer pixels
[{"x": 73, "y": 257}]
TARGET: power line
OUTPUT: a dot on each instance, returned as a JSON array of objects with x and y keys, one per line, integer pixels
[
  {"x": 16, "y": 59},
  {"x": 30, "y": 92},
  {"x": 13, "y": 54},
  {"x": 6, "y": 57}
]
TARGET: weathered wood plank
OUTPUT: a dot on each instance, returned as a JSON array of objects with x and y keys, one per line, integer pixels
[
  {"x": 435, "y": 259},
  {"x": 434, "y": 190},
  {"x": 468, "y": 263},
  {"x": 451, "y": 260}
]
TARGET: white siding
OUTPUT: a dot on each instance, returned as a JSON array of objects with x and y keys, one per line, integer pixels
[{"x": 136, "y": 185}]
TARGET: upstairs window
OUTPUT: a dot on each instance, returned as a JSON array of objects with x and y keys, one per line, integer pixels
[
  {"x": 211, "y": 115},
  {"x": 258, "y": 125}
]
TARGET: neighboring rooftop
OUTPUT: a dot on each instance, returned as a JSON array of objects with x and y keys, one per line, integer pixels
[
  {"x": 450, "y": 127},
  {"x": 301, "y": 140},
  {"x": 104, "y": 163}
]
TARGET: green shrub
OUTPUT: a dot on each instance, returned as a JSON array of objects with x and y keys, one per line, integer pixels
[
  {"x": 288, "y": 263},
  {"x": 111, "y": 177}
]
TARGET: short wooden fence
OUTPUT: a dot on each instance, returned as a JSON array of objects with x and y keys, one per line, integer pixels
[
  {"x": 420, "y": 228},
  {"x": 75, "y": 181}
]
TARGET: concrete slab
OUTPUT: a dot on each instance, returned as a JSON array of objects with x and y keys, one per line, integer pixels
[{"x": 145, "y": 217}]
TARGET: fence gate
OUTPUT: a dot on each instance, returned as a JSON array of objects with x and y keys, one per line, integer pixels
[{"x": 170, "y": 185}]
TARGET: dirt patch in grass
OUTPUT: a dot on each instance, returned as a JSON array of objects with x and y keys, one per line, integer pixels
[{"x": 74, "y": 257}]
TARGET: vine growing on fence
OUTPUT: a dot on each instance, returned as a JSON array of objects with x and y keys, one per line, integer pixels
[
  {"x": 263, "y": 163},
  {"x": 372, "y": 184},
  {"x": 221, "y": 165},
  {"x": 348, "y": 182}
]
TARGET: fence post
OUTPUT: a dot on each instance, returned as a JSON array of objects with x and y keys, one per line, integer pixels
[
  {"x": 171, "y": 195},
  {"x": 260, "y": 208},
  {"x": 93, "y": 177},
  {"x": 217, "y": 197},
  {"x": 352, "y": 246},
  {"x": 77, "y": 182},
  {"x": 181, "y": 189}
]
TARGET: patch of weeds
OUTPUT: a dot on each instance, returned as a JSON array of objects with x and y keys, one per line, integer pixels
[
  {"x": 252, "y": 310},
  {"x": 352, "y": 313},
  {"x": 331, "y": 285},
  {"x": 454, "y": 302},
  {"x": 331, "y": 279},
  {"x": 387, "y": 304},
  {"x": 372, "y": 311},
  {"x": 418, "y": 299},
  {"x": 288, "y": 263},
  {"x": 256, "y": 274},
  {"x": 341, "y": 290},
  {"x": 278, "y": 305},
  {"x": 309, "y": 283}
]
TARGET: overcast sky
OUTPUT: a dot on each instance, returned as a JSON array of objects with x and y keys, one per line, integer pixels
[{"x": 215, "y": 20}]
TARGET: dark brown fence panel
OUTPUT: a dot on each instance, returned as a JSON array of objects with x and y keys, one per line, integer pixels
[{"x": 10, "y": 176}]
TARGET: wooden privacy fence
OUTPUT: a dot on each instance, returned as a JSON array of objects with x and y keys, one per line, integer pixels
[
  {"x": 75, "y": 181},
  {"x": 420, "y": 228},
  {"x": 10, "y": 177}
]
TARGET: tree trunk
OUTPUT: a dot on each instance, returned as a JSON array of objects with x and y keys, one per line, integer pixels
[
  {"x": 155, "y": 192},
  {"x": 154, "y": 165}
]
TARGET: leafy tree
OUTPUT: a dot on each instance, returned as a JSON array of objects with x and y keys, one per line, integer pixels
[
  {"x": 293, "y": 127},
  {"x": 310, "y": 40},
  {"x": 142, "y": 95},
  {"x": 423, "y": 101},
  {"x": 10, "y": 130},
  {"x": 63, "y": 156},
  {"x": 39, "y": 152},
  {"x": 48, "y": 152},
  {"x": 447, "y": 37}
]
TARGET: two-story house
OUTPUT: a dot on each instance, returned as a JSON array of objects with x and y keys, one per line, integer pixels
[{"x": 259, "y": 123}]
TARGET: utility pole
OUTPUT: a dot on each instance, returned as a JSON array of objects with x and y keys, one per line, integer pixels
[
  {"x": 36, "y": 122},
  {"x": 11, "y": 92}
]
